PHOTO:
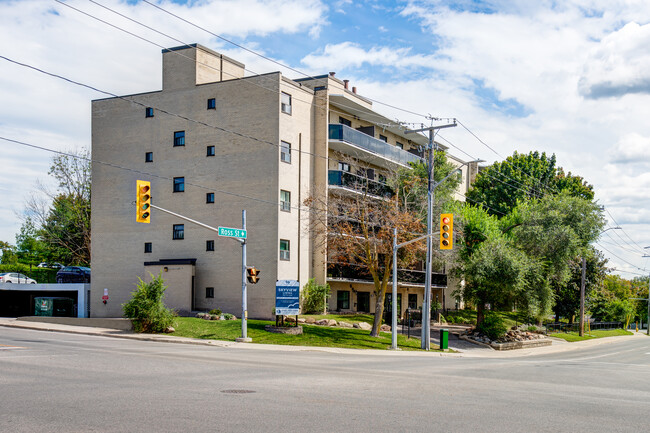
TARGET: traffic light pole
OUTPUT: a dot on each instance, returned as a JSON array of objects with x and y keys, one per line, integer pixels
[{"x": 244, "y": 316}]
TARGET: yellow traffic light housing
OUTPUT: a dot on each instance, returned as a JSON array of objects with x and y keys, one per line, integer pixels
[
  {"x": 446, "y": 231},
  {"x": 252, "y": 275},
  {"x": 143, "y": 201}
]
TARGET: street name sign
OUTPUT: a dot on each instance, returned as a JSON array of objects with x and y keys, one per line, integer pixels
[
  {"x": 287, "y": 298},
  {"x": 232, "y": 233}
]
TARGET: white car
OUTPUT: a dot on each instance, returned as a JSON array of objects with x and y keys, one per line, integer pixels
[{"x": 14, "y": 277}]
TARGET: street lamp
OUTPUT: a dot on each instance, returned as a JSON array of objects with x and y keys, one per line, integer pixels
[{"x": 647, "y": 300}]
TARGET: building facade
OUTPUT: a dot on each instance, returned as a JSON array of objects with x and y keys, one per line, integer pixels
[{"x": 214, "y": 142}]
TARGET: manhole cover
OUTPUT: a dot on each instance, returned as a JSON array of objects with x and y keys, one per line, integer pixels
[{"x": 237, "y": 391}]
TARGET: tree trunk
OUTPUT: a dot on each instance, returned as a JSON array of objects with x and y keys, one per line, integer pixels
[
  {"x": 379, "y": 310},
  {"x": 480, "y": 312}
]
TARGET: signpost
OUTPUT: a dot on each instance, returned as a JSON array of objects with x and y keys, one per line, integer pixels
[
  {"x": 231, "y": 232},
  {"x": 287, "y": 298}
]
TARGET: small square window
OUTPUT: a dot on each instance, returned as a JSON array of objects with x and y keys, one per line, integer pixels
[
  {"x": 400, "y": 145},
  {"x": 285, "y": 200},
  {"x": 284, "y": 250},
  {"x": 209, "y": 245},
  {"x": 148, "y": 157},
  {"x": 285, "y": 152},
  {"x": 179, "y": 184},
  {"x": 210, "y": 151},
  {"x": 344, "y": 166},
  {"x": 209, "y": 197},
  {"x": 285, "y": 103},
  {"x": 148, "y": 247},
  {"x": 179, "y": 138},
  {"x": 212, "y": 104},
  {"x": 383, "y": 138},
  {"x": 148, "y": 112},
  {"x": 178, "y": 231},
  {"x": 344, "y": 121},
  {"x": 209, "y": 292}
]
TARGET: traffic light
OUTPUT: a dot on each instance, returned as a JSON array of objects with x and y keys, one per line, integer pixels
[
  {"x": 446, "y": 231},
  {"x": 143, "y": 201},
  {"x": 253, "y": 275}
]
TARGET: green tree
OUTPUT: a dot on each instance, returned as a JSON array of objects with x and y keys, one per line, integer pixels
[
  {"x": 29, "y": 248},
  {"x": 8, "y": 253},
  {"x": 314, "y": 297},
  {"x": 522, "y": 177}
]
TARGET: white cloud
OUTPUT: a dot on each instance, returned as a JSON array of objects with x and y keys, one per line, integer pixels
[
  {"x": 631, "y": 148},
  {"x": 351, "y": 54}
]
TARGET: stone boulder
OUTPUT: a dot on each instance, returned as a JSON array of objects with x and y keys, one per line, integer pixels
[
  {"x": 384, "y": 328},
  {"x": 345, "y": 325},
  {"x": 310, "y": 319},
  {"x": 363, "y": 325},
  {"x": 332, "y": 322},
  {"x": 322, "y": 322}
]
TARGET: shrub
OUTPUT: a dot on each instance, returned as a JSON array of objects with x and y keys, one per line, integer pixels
[
  {"x": 493, "y": 326},
  {"x": 532, "y": 328},
  {"x": 216, "y": 311},
  {"x": 228, "y": 316},
  {"x": 146, "y": 308},
  {"x": 314, "y": 297}
]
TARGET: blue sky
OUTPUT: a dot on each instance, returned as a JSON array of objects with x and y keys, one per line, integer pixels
[{"x": 570, "y": 78}]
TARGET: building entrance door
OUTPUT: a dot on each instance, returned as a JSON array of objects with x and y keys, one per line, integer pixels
[{"x": 363, "y": 302}]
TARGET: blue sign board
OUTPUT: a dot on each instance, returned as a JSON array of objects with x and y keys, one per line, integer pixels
[{"x": 287, "y": 298}]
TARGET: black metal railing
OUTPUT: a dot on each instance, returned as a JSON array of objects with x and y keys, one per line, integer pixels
[
  {"x": 553, "y": 327},
  {"x": 358, "y": 183}
]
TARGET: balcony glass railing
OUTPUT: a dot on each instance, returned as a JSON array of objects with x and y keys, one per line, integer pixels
[
  {"x": 348, "y": 271},
  {"x": 358, "y": 183},
  {"x": 371, "y": 144}
]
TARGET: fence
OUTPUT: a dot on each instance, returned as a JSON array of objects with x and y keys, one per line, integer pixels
[{"x": 552, "y": 327}]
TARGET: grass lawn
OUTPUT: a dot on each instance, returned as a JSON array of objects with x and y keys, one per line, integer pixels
[
  {"x": 573, "y": 336},
  {"x": 312, "y": 335}
]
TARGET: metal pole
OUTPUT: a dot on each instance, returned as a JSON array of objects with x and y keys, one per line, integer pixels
[
  {"x": 244, "y": 308},
  {"x": 581, "y": 331},
  {"x": 426, "y": 303},
  {"x": 394, "y": 300},
  {"x": 648, "y": 318}
]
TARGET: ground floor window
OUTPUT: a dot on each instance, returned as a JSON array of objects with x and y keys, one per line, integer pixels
[
  {"x": 413, "y": 301},
  {"x": 363, "y": 302},
  {"x": 343, "y": 300}
]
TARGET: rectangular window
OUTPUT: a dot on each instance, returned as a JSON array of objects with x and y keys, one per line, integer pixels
[
  {"x": 179, "y": 138},
  {"x": 342, "y": 299},
  {"x": 209, "y": 292},
  {"x": 400, "y": 145},
  {"x": 209, "y": 245},
  {"x": 179, "y": 184},
  {"x": 285, "y": 100},
  {"x": 344, "y": 121},
  {"x": 284, "y": 249},
  {"x": 413, "y": 301},
  {"x": 210, "y": 151},
  {"x": 285, "y": 151},
  {"x": 178, "y": 231},
  {"x": 212, "y": 104},
  {"x": 147, "y": 247},
  {"x": 209, "y": 197},
  {"x": 285, "y": 200},
  {"x": 148, "y": 112},
  {"x": 148, "y": 157},
  {"x": 383, "y": 138},
  {"x": 344, "y": 166}
]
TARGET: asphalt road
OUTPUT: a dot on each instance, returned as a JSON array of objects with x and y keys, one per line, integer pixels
[{"x": 53, "y": 382}]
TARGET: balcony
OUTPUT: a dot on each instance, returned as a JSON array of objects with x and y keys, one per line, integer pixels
[
  {"x": 352, "y": 272},
  {"x": 349, "y": 141},
  {"x": 358, "y": 184}
]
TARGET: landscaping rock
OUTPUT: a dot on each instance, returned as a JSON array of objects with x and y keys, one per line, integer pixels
[
  {"x": 301, "y": 320},
  {"x": 289, "y": 330},
  {"x": 169, "y": 330},
  {"x": 290, "y": 319},
  {"x": 363, "y": 325},
  {"x": 384, "y": 328},
  {"x": 310, "y": 320},
  {"x": 345, "y": 325},
  {"x": 322, "y": 322},
  {"x": 214, "y": 317},
  {"x": 332, "y": 322}
]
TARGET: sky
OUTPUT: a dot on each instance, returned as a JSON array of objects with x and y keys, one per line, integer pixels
[{"x": 570, "y": 78}]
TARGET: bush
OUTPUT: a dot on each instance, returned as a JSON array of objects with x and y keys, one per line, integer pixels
[
  {"x": 493, "y": 326},
  {"x": 146, "y": 308},
  {"x": 532, "y": 328},
  {"x": 228, "y": 316},
  {"x": 314, "y": 297},
  {"x": 216, "y": 311}
]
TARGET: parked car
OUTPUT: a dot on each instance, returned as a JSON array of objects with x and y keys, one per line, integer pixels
[
  {"x": 73, "y": 274},
  {"x": 14, "y": 277},
  {"x": 50, "y": 265}
]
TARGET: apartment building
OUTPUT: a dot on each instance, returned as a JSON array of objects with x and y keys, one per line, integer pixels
[{"x": 214, "y": 142}]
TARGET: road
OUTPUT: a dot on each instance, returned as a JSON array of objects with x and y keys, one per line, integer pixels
[{"x": 54, "y": 382}]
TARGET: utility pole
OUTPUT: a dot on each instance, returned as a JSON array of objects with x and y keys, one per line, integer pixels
[
  {"x": 581, "y": 332},
  {"x": 426, "y": 303}
]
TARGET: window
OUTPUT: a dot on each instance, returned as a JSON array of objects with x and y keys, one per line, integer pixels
[
  {"x": 148, "y": 157},
  {"x": 209, "y": 245},
  {"x": 209, "y": 197},
  {"x": 212, "y": 104},
  {"x": 210, "y": 151},
  {"x": 179, "y": 138},
  {"x": 209, "y": 292},
  {"x": 400, "y": 145},
  {"x": 148, "y": 112},
  {"x": 179, "y": 231},
  {"x": 344, "y": 166},
  {"x": 383, "y": 138},
  {"x": 147, "y": 247},
  {"x": 284, "y": 249},
  {"x": 179, "y": 184},
  {"x": 344, "y": 121},
  {"x": 285, "y": 103},
  {"x": 285, "y": 151},
  {"x": 285, "y": 200},
  {"x": 342, "y": 299},
  {"x": 413, "y": 301}
]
